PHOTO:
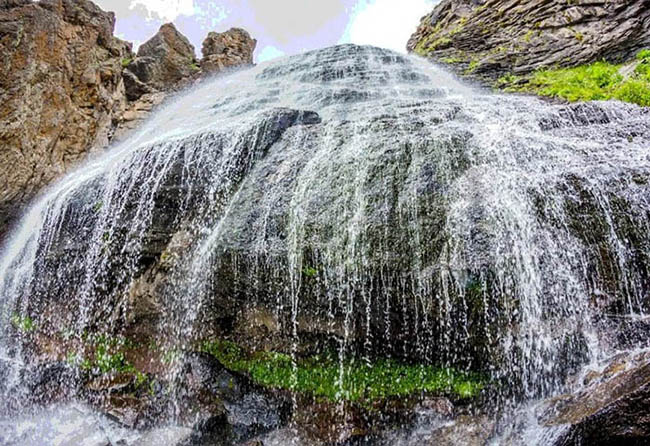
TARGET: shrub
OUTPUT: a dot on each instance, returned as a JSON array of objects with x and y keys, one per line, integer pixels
[
  {"x": 596, "y": 81},
  {"x": 634, "y": 90}
]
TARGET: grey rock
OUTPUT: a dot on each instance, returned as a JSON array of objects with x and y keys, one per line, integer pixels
[{"x": 488, "y": 39}]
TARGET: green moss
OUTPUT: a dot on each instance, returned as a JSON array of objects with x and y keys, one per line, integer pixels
[
  {"x": 636, "y": 91},
  {"x": 529, "y": 35},
  {"x": 508, "y": 82},
  {"x": 459, "y": 27},
  {"x": 473, "y": 65},
  {"x": 582, "y": 83},
  {"x": 596, "y": 81},
  {"x": 106, "y": 354},
  {"x": 126, "y": 62},
  {"x": 451, "y": 60},
  {"x": 439, "y": 42},
  {"x": 24, "y": 324},
  {"x": 309, "y": 271},
  {"x": 644, "y": 55},
  {"x": 349, "y": 381}
]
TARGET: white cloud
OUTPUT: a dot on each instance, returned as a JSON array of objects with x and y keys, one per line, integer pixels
[
  {"x": 269, "y": 52},
  {"x": 386, "y": 23},
  {"x": 167, "y": 10}
]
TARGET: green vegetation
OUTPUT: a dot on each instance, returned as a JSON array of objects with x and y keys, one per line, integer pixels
[
  {"x": 473, "y": 65},
  {"x": 350, "y": 381},
  {"x": 23, "y": 324},
  {"x": 309, "y": 271},
  {"x": 108, "y": 355},
  {"x": 126, "y": 62},
  {"x": 451, "y": 60},
  {"x": 596, "y": 81},
  {"x": 529, "y": 35}
]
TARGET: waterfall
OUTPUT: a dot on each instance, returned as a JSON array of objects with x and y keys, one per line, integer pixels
[{"x": 361, "y": 197}]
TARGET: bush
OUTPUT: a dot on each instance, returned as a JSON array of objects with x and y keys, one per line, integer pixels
[
  {"x": 634, "y": 90},
  {"x": 596, "y": 81},
  {"x": 583, "y": 83}
]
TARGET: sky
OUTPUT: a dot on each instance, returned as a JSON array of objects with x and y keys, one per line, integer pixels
[{"x": 281, "y": 27}]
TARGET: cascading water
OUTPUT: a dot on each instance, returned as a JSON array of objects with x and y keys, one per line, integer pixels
[{"x": 362, "y": 198}]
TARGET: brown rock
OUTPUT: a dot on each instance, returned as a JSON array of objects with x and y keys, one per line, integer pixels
[
  {"x": 60, "y": 89},
  {"x": 162, "y": 62},
  {"x": 136, "y": 113},
  {"x": 64, "y": 92},
  {"x": 232, "y": 48},
  {"x": 491, "y": 38},
  {"x": 613, "y": 409}
]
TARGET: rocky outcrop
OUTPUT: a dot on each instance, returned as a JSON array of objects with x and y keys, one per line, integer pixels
[
  {"x": 492, "y": 38},
  {"x": 222, "y": 50},
  {"x": 162, "y": 62},
  {"x": 612, "y": 408},
  {"x": 68, "y": 88},
  {"x": 167, "y": 61},
  {"x": 60, "y": 91}
]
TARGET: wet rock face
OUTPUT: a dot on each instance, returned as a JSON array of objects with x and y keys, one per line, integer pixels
[
  {"x": 163, "y": 61},
  {"x": 490, "y": 39},
  {"x": 234, "y": 47},
  {"x": 613, "y": 408},
  {"x": 60, "y": 90}
]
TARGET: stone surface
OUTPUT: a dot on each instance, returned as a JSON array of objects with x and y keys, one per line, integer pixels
[
  {"x": 232, "y": 48},
  {"x": 162, "y": 62},
  {"x": 464, "y": 431},
  {"x": 492, "y": 38},
  {"x": 68, "y": 88},
  {"x": 60, "y": 90},
  {"x": 613, "y": 408}
]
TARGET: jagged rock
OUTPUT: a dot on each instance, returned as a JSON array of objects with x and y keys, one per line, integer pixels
[
  {"x": 613, "y": 408},
  {"x": 492, "y": 38},
  {"x": 60, "y": 90},
  {"x": 64, "y": 91},
  {"x": 234, "y": 47},
  {"x": 163, "y": 61}
]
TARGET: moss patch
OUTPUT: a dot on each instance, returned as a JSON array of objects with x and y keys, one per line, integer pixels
[
  {"x": 596, "y": 81},
  {"x": 22, "y": 323},
  {"x": 347, "y": 381},
  {"x": 107, "y": 355}
]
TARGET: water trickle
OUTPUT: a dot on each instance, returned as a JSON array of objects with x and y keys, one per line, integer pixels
[{"x": 360, "y": 200}]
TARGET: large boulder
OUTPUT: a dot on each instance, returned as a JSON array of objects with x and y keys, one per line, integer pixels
[
  {"x": 60, "y": 90},
  {"x": 492, "y": 38},
  {"x": 234, "y": 47},
  {"x": 162, "y": 62}
]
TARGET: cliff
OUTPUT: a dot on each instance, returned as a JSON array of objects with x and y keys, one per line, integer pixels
[
  {"x": 490, "y": 39},
  {"x": 60, "y": 90},
  {"x": 68, "y": 87}
]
